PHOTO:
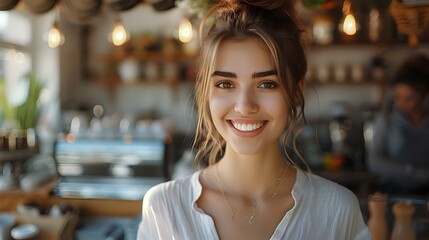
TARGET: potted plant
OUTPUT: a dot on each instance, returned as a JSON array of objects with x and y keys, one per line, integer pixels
[{"x": 19, "y": 112}]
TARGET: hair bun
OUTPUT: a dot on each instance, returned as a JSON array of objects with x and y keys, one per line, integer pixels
[{"x": 272, "y": 4}]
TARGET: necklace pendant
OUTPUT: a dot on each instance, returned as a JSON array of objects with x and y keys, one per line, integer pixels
[{"x": 252, "y": 218}]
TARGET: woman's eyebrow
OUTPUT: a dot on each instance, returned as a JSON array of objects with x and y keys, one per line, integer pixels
[
  {"x": 254, "y": 75},
  {"x": 264, "y": 74},
  {"x": 224, "y": 74}
]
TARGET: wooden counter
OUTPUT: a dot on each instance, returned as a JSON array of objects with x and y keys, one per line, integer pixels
[{"x": 9, "y": 200}]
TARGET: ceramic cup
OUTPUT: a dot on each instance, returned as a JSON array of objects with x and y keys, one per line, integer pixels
[
  {"x": 129, "y": 70},
  {"x": 7, "y": 221},
  {"x": 25, "y": 232}
]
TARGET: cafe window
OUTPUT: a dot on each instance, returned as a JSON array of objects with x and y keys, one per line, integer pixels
[
  {"x": 15, "y": 28},
  {"x": 14, "y": 63},
  {"x": 15, "y": 37}
]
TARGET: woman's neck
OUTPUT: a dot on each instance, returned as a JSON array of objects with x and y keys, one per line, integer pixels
[{"x": 251, "y": 175}]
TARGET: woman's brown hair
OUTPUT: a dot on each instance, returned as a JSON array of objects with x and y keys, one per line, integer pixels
[{"x": 275, "y": 24}]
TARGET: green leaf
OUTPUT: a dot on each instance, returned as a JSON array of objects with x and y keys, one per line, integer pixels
[
  {"x": 27, "y": 114},
  {"x": 8, "y": 112}
]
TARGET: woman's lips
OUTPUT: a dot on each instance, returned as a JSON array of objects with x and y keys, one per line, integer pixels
[{"x": 247, "y": 129}]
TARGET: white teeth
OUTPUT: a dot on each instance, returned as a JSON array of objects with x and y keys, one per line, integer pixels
[{"x": 247, "y": 127}]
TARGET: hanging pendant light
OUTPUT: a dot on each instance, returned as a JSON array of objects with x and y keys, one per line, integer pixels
[
  {"x": 185, "y": 31},
  {"x": 55, "y": 36},
  {"x": 348, "y": 23},
  {"x": 119, "y": 34}
]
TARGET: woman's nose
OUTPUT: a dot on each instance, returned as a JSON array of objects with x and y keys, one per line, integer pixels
[{"x": 246, "y": 103}]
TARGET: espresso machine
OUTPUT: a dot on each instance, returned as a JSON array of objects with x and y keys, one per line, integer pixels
[{"x": 99, "y": 162}]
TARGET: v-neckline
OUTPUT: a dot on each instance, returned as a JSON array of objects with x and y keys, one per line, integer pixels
[{"x": 280, "y": 228}]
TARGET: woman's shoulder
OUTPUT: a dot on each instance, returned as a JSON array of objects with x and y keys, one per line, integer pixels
[
  {"x": 324, "y": 188},
  {"x": 334, "y": 204}
]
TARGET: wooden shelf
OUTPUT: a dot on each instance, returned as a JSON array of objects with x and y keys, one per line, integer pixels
[
  {"x": 363, "y": 45},
  {"x": 17, "y": 155},
  {"x": 347, "y": 82},
  {"x": 183, "y": 63},
  {"x": 138, "y": 83},
  {"x": 149, "y": 57}
]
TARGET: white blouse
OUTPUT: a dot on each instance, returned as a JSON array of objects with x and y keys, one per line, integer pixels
[{"x": 322, "y": 210}]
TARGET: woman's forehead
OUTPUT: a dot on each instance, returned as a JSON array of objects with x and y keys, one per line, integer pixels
[{"x": 248, "y": 53}]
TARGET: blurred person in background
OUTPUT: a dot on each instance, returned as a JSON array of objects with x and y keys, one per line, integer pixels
[{"x": 400, "y": 151}]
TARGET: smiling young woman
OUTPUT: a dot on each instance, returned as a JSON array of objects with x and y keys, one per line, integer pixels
[{"x": 249, "y": 95}]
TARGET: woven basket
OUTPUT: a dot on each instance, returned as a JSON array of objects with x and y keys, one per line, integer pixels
[{"x": 411, "y": 21}]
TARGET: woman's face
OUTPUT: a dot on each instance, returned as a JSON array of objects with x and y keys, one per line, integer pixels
[
  {"x": 246, "y": 101},
  {"x": 407, "y": 100}
]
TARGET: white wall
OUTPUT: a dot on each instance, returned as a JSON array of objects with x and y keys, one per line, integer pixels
[{"x": 46, "y": 66}]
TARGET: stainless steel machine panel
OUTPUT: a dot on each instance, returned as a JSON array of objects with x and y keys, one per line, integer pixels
[
  {"x": 111, "y": 168},
  {"x": 114, "y": 158}
]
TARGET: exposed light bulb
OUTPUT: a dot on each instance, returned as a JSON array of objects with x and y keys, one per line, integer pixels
[
  {"x": 349, "y": 25},
  {"x": 185, "y": 31},
  {"x": 119, "y": 34},
  {"x": 55, "y": 37}
]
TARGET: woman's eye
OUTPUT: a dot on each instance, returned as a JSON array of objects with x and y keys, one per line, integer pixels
[
  {"x": 223, "y": 85},
  {"x": 270, "y": 85}
]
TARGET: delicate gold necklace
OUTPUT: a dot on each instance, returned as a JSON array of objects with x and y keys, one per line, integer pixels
[{"x": 254, "y": 211}]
